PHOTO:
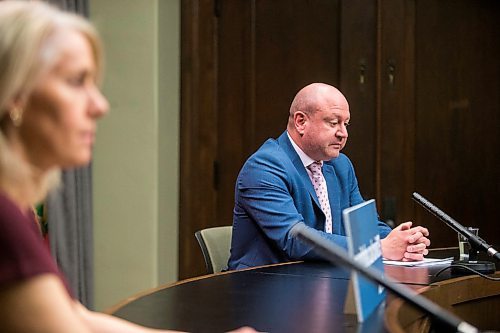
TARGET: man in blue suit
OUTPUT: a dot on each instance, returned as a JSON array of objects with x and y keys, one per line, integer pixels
[{"x": 275, "y": 190}]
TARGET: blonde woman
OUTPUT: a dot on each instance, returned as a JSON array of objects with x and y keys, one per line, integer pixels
[{"x": 50, "y": 63}]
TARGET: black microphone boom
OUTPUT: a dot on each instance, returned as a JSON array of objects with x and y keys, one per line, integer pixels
[
  {"x": 475, "y": 241},
  {"x": 337, "y": 255}
]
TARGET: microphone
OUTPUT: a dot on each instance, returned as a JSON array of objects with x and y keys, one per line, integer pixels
[
  {"x": 337, "y": 255},
  {"x": 476, "y": 242}
]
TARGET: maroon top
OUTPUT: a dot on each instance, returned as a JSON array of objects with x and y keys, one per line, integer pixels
[{"x": 23, "y": 254}]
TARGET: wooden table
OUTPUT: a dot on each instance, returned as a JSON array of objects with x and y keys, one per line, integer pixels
[{"x": 305, "y": 297}]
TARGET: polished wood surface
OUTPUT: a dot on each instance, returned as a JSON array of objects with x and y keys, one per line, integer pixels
[{"x": 295, "y": 297}]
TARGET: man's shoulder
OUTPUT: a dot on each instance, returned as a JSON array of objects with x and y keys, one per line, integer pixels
[
  {"x": 272, "y": 149},
  {"x": 272, "y": 156},
  {"x": 270, "y": 146}
]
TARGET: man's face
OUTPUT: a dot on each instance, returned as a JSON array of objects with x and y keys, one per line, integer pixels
[{"x": 324, "y": 131}]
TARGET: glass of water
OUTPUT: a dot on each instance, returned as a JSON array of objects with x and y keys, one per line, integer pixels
[{"x": 463, "y": 244}]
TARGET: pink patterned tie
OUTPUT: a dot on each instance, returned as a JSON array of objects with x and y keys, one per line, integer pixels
[{"x": 319, "y": 184}]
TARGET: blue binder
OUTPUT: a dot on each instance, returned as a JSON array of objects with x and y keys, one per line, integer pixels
[{"x": 364, "y": 246}]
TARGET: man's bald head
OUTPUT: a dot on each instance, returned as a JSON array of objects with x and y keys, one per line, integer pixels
[{"x": 312, "y": 98}]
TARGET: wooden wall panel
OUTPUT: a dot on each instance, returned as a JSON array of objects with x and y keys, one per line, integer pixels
[
  {"x": 358, "y": 81},
  {"x": 395, "y": 113},
  {"x": 458, "y": 114},
  {"x": 235, "y": 82},
  {"x": 296, "y": 43},
  {"x": 198, "y": 120}
]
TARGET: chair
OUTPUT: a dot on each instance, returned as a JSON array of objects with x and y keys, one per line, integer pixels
[{"x": 215, "y": 245}]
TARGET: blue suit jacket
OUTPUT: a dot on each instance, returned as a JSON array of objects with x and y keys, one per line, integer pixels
[{"x": 274, "y": 192}]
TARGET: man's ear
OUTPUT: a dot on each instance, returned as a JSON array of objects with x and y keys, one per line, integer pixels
[{"x": 300, "y": 120}]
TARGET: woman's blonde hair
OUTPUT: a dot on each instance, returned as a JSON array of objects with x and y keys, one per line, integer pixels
[{"x": 28, "y": 48}]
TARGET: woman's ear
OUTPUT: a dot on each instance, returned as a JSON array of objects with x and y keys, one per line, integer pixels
[{"x": 15, "y": 110}]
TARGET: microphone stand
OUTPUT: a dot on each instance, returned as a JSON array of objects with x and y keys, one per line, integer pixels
[
  {"x": 447, "y": 321},
  {"x": 476, "y": 242}
]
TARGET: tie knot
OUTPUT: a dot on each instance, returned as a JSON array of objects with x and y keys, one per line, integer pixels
[{"x": 315, "y": 168}]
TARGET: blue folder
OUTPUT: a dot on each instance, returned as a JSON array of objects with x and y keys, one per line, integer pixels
[{"x": 363, "y": 243}]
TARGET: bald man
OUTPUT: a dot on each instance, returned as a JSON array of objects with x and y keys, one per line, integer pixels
[{"x": 303, "y": 177}]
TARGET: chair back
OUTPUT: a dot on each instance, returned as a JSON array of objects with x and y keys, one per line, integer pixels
[{"x": 215, "y": 244}]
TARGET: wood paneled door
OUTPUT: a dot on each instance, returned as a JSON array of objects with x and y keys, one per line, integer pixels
[{"x": 422, "y": 78}]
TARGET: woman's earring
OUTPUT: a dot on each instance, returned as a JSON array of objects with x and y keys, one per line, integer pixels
[{"x": 16, "y": 115}]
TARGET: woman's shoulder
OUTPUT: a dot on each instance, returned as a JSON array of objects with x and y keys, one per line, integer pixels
[
  {"x": 24, "y": 254},
  {"x": 12, "y": 218}
]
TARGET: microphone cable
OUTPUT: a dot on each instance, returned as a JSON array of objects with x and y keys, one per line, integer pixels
[{"x": 467, "y": 269}]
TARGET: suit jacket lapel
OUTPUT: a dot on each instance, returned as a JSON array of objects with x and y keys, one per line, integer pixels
[{"x": 287, "y": 147}]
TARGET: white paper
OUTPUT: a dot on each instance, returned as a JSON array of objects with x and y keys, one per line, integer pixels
[{"x": 425, "y": 262}]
